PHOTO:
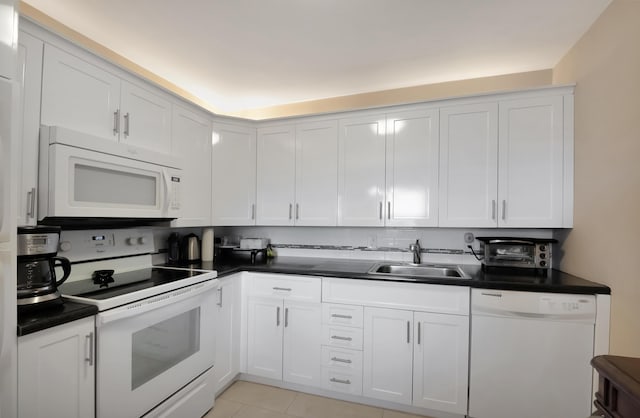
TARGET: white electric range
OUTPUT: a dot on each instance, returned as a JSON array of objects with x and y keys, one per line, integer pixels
[{"x": 155, "y": 340}]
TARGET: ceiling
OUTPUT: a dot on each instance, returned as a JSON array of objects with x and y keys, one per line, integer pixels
[{"x": 238, "y": 55}]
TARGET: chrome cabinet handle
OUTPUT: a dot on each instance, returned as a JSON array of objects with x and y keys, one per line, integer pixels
[
  {"x": 31, "y": 203},
  {"x": 341, "y": 316},
  {"x": 338, "y": 337},
  {"x": 341, "y": 360},
  {"x": 253, "y": 211},
  {"x": 127, "y": 118},
  {"x": 389, "y": 209},
  {"x": 219, "y": 297},
  {"x": 504, "y": 210},
  {"x": 408, "y": 331},
  {"x": 116, "y": 122},
  {"x": 286, "y": 317},
  {"x": 419, "y": 324},
  {"x": 278, "y": 316},
  {"x": 345, "y": 382},
  {"x": 290, "y": 210},
  {"x": 493, "y": 209},
  {"x": 88, "y": 357},
  {"x": 297, "y": 211},
  {"x": 380, "y": 210},
  {"x": 284, "y": 289}
]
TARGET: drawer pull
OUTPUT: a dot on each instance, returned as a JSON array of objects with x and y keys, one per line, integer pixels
[
  {"x": 341, "y": 316},
  {"x": 337, "y": 337},
  {"x": 283, "y": 289},
  {"x": 344, "y": 382},
  {"x": 341, "y": 360}
]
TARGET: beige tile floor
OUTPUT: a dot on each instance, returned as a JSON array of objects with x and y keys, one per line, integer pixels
[{"x": 251, "y": 400}]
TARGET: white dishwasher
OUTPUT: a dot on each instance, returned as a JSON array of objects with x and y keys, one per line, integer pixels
[{"x": 530, "y": 354}]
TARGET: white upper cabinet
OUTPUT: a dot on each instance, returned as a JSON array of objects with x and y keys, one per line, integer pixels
[
  {"x": 29, "y": 79},
  {"x": 234, "y": 174},
  {"x": 361, "y": 171},
  {"x": 276, "y": 175},
  {"x": 317, "y": 173},
  {"x": 468, "y": 165},
  {"x": 146, "y": 118},
  {"x": 531, "y": 162},
  {"x": 79, "y": 95},
  {"x": 297, "y": 174},
  {"x": 412, "y": 168},
  {"x": 191, "y": 141},
  {"x": 507, "y": 163}
]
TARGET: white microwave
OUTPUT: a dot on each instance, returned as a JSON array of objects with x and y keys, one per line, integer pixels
[{"x": 76, "y": 182}]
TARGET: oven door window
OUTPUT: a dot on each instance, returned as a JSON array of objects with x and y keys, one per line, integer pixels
[{"x": 161, "y": 346}]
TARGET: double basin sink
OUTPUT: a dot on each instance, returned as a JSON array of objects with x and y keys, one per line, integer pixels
[{"x": 416, "y": 272}]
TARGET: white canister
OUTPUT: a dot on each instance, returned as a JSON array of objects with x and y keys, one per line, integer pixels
[{"x": 207, "y": 244}]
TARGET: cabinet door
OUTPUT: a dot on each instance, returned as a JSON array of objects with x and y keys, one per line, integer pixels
[
  {"x": 191, "y": 141},
  {"x": 441, "y": 361},
  {"x": 56, "y": 370},
  {"x": 276, "y": 175},
  {"x": 361, "y": 182},
  {"x": 388, "y": 354},
  {"x": 302, "y": 343},
  {"x": 317, "y": 174},
  {"x": 412, "y": 168},
  {"x": 145, "y": 118},
  {"x": 79, "y": 95},
  {"x": 468, "y": 165},
  {"x": 264, "y": 337},
  {"x": 227, "y": 362},
  {"x": 531, "y": 161},
  {"x": 234, "y": 175},
  {"x": 30, "y": 81}
]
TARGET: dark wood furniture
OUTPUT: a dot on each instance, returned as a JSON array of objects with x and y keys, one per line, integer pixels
[{"x": 618, "y": 394}]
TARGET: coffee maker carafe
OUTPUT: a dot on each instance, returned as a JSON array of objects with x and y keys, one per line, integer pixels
[{"x": 37, "y": 284}]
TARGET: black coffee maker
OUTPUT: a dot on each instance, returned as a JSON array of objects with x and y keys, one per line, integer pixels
[{"x": 37, "y": 284}]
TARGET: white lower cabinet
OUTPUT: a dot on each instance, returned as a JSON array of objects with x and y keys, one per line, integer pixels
[
  {"x": 284, "y": 328},
  {"x": 388, "y": 354},
  {"x": 227, "y": 360},
  {"x": 56, "y": 371},
  {"x": 440, "y": 361},
  {"x": 403, "y": 343}
]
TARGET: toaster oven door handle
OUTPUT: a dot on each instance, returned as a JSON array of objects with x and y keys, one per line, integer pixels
[{"x": 510, "y": 241}]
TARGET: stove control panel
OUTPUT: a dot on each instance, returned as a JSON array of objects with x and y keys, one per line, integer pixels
[{"x": 97, "y": 243}]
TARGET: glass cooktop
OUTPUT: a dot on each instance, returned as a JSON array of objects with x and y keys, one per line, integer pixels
[{"x": 124, "y": 283}]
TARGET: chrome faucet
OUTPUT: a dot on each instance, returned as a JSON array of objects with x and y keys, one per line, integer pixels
[{"x": 415, "y": 248}]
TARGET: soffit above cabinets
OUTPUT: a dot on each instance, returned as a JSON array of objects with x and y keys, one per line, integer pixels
[{"x": 248, "y": 54}]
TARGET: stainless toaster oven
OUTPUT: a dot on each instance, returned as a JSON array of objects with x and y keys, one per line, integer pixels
[{"x": 529, "y": 253}]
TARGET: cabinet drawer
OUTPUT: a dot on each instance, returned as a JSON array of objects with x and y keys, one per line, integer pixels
[
  {"x": 287, "y": 287},
  {"x": 342, "y": 359},
  {"x": 342, "y": 381},
  {"x": 338, "y": 336},
  {"x": 345, "y": 315},
  {"x": 408, "y": 296}
]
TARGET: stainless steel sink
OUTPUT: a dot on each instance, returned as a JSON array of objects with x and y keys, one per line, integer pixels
[{"x": 432, "y": 271}]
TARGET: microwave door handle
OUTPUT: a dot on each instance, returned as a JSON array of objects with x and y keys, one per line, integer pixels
[{"x": 167, "y": 188}]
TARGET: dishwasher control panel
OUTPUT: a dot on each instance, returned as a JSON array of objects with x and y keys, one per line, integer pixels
[{"x": 507, "y": 303}]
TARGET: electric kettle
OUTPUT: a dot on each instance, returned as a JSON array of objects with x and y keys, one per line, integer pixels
[
  {"x": 37, "y": 284},
  {"x": 190, "y": 249}
]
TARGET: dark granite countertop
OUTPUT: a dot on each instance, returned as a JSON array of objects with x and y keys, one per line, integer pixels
[
  {"x": 38, "y": 320},
  {"x": 555, "y": 282}
]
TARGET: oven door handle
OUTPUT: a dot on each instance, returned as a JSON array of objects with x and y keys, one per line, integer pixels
[{"x": 155, "y": 302}]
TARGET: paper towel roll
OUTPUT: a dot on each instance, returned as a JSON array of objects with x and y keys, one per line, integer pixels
[{"x": 207, "y": 244}]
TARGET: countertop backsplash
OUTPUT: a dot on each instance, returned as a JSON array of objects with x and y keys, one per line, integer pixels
[{"x": 439, "y": 245}]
